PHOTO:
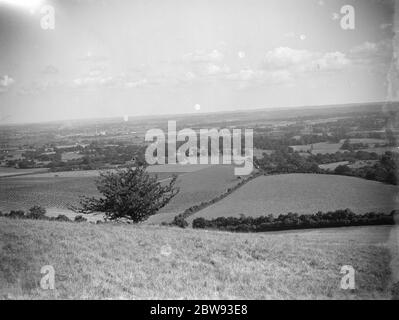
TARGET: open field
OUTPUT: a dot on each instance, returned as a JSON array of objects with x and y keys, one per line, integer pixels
[
  {"x": 197, "y": 187},
  {"x": 148, "y": 262},
  {"x": 50, "y": 192},
  {"x": 362, "y": 163},
  {"x": 8, "y": 172},
  {"x": 333, "y": 165},
  {"x": 66, "y": 156},
  {"x": 321, "y": 147},
  {"x": 381, "y": 150},
  {"x": 56, "y": 191},
  {"x": 356, "y": 165},
  {"x": 366, "y": 140},
  {"x": 304, "y": 193},
  {"x": 324, "y": 147}
]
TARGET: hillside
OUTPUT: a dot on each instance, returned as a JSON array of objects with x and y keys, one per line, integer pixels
[{"x": 124, "y": 261}]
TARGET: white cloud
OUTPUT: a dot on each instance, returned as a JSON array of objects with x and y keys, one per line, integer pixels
[
  {"x": 245, "y": 75},
  {"x": 299, "y": 61},
  {"x": 201, "y": 56},
  {"x": 248, "y": 77},
  {"x": 284, "y": 57},
  {"x": 371, "y": 54},
  {"x": 289, "y": 34},
  {"x": 96, "y": 78},
  {"x": 213, "y": 69},
  {"x": 50, "y": 69},
  {"x": 135, "y": 84},
  {"x": 384, "y": 26},
  {"x": 190, "y": 76},
  {"x": 5, "y": 83}
]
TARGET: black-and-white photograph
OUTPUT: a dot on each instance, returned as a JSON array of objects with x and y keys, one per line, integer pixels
[{"x": 199, "y": 150}]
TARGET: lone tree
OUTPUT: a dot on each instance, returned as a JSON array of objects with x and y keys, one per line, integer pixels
[{"x": 129, "y": 193}]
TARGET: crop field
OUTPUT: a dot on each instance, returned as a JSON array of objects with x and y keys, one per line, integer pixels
[
  {"x": 20, "y": 193},
  {"x": 304, "y": 193},
  {"x": 7, "y": 172},
  {"x": 356, "y": 165},
  {"x": 333, "y": 165},
  {"x": 381, "y": 150},
  {"x": 362, "y": 163},
  {"x": 150, "y": 262},
  {"x": 197, "y": 187},
  {"x": 366, "y": 141},
  {"x": 321, "y": 147},
  {"x": 56, "y": 191},
  {"x": 66, "y": 156}
]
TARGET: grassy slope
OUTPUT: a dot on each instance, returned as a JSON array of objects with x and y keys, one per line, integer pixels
[
  {"x": 123, "y": 261},
  {"x": 304, "y": 193}
]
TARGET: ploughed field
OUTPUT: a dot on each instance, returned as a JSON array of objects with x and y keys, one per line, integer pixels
[
  {"x": 56, "y": 191},
  {"x": 303, "y": 194},
  {"x": 153, "y": 262}
]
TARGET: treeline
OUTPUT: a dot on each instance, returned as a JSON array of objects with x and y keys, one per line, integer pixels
[
  {"x": 270, "y": 143},
  {"x": 280, "y": 162},
  {"x": 180, "y": 221},
  {"x": 289, "y": 221},
  {"x": 385, "y": 170},
  {"x": 350, "y": 156},
  {"x": 283, "y": 161},
  {"x": 39, "y": 213}
]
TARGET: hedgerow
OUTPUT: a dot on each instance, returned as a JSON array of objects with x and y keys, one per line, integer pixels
[{"x": 338, "y": 218}]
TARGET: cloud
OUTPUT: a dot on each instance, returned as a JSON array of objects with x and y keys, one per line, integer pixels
[
  {"x": 213, "y": 69},
  {"x": 5, "y": 83},
  {"x": 201, "y": 56},
  {"x": 372, "y": 54},
  {"x": 40, "y": 86},
  {"x": 97, "y": 79},
  {"x": 135, "y": 84},
  {"x": 93, "y": 57},
  {"x": 300, "y": 61},
  {"x": 246, "y": 75},
  {"x": 384, "y": 26},
  {"x": 284, "y": 57},
  {"x": 241, "y": 54},
  {"x": 249, "y": 77},
  {"x": 50, "y": 69}
]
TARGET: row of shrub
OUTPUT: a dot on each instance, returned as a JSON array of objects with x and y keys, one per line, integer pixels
[
  {"x": 39, "y": 213},
  {"x": 338, "y": 218},
  {"x": 180, "y": 221}
]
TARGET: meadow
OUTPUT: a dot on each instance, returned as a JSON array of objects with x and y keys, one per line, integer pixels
[
  {"x": 304, "y": 193},
  {"x": 110, "y": 261}
]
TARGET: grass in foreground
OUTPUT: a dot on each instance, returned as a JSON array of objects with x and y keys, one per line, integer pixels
[{"x": 137, "y": 262}]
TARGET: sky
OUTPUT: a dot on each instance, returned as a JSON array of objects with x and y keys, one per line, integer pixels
[{"x": 116, "y": 58}]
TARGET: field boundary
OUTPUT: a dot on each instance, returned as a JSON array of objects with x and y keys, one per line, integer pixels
[{"x": 196, "y": 208}]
